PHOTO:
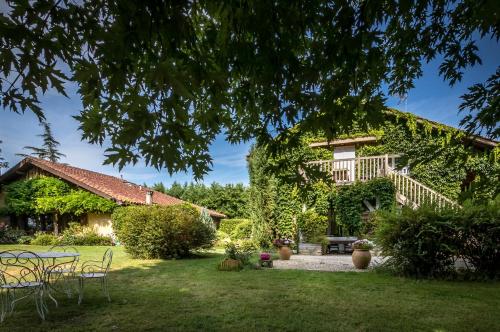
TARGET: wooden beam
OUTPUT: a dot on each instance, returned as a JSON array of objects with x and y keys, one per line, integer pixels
[{"x": 347, "y": 141}]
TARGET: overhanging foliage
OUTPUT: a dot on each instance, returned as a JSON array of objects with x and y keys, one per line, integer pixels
[
  {"x": 162, "y": 79},
  {"x": 46, "y": 195}
]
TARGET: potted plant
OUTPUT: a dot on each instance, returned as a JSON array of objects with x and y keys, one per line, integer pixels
[
  {"x": 283, "y": 246},
  {"x": 361, "y": 256}
]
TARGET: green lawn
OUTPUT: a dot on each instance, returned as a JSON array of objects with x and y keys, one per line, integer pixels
[{"x": 192, "y": 295}]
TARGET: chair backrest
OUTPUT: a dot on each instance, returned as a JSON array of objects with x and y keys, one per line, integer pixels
[
  {"x": 20, "y": 266},
  {"x": 61, "y": 248},
  {"x": 106, "y": 260},
  {"x": 64, "y": 264}
]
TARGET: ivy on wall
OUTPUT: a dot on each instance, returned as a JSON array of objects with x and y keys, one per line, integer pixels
[
  {"x": 276, "y": 206},
  {"x": 440, "y": 160},
  {"x": 349, "y": 200}
]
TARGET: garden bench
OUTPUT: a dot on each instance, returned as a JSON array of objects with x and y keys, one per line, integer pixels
[{"x": 341, "y": 244}]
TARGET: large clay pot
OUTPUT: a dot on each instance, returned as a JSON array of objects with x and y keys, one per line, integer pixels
[
  {"x": 361, "y": 258},
  {"x": 285, "y": 253}
]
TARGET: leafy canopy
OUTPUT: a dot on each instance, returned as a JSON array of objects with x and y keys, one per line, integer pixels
[{"x": 160, "y": 80}]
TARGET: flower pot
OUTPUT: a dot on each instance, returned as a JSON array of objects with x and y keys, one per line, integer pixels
[
  {"x": 229, "y": 264},
  {"x": 361, "y": 258},
  {"x": 285, "y": 253}
]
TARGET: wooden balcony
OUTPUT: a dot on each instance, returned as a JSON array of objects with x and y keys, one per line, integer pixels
[
  {"x": 408, "y": 191},
  {"x": 347, "y": 171}
]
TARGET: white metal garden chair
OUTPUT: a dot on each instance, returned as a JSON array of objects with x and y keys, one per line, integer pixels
[
  {"x": 96, "y": 270},
  {"x": 22, "y": 275}
]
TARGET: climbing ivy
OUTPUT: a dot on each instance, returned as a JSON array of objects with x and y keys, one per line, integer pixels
[
  {"x": 46, "y": 195},
  {"x": 349, "y": 202},
  {"x": 439, "y": 157}
]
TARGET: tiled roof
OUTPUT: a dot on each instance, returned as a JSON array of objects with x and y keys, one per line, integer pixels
[{"x": 103, "y": 185}]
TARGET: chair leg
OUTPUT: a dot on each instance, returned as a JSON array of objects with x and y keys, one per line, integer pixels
[
  {"x": 40, "y": 303},
  {"x": 51, "y": 297},
  {"x": 105, "y": 288},
  {"x": 4, "y": 298},
  {"x": 80, "y": 290}
]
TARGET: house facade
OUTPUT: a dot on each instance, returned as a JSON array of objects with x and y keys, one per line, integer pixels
[
  {"x": 356, "y": 159},
  {"x": 115, "y": 189}
]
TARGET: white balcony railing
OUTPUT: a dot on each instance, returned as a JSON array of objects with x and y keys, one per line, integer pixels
[{"x": 409, "y": 191}]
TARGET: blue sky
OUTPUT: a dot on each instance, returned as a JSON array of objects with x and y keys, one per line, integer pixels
[{"x": 431, "y": 98}]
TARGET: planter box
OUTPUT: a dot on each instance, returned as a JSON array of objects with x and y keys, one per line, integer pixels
[{"x": 310, "y": 249}]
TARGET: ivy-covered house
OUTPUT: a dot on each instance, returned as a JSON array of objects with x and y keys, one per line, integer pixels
[
  {"x": 42, "y": 195},
  {"x": 405, "y": 160}
]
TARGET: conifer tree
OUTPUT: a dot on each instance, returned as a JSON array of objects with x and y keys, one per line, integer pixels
[
  {"x": 49, "y": 149},
  {"x": 3, "y": 163}
]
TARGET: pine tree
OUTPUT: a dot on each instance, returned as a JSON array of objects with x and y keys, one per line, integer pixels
[
  {"x": 3, "y": 163},
  {"x": 49, "y": 150}
]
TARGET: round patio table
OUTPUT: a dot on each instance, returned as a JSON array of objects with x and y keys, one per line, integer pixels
[{"x": 44, "y": 255}]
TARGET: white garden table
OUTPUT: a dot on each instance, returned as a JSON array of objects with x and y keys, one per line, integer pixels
[{"x": 52, "y": 267}]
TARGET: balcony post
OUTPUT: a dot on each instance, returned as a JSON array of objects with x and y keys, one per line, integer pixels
[{"x": 386, "y": 165}]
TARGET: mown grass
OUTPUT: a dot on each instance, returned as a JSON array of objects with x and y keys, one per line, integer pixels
[{"x": 192, "y": 295}]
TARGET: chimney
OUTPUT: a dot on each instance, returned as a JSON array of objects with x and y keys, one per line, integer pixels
[{"x": 149, "y": 197}]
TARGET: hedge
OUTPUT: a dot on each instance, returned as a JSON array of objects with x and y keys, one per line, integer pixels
[
  {"x": 228, "y": 225},
  {"x": 427, "y": 241}
]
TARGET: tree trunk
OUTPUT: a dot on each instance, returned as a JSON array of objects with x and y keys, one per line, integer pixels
[{"x": 56, "y": 224}]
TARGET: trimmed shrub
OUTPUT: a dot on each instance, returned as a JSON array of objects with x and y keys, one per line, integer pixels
[
  {"x": 312, "y": 226},
  {"x": 242, "y": 231},
  {"x": 78, "y": 235},
  {"x": 44, "y": 239},
  {"x": 161, "y": 231},
  {"x": 228, "y": 225}
]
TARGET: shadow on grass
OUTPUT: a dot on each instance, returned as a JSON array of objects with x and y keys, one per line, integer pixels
[{"x": 190, "y": 294}]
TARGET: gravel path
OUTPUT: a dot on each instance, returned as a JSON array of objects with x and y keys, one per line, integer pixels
[{"x": 332, "y": 263}]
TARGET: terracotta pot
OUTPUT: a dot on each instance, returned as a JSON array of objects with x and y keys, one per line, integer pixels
[
  {"x": 361, "y": 258},
  {"x": 285, "y": 253}
]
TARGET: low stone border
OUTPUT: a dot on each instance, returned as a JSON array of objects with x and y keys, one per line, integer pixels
[{"x": 333, "y": 263}]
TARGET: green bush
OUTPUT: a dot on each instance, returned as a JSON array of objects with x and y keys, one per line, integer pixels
[
  {"x": 420, "y": 243},
  {"x": 78, "y": 235},
  {"x": 44, "y": 239},
  {"x": 426, "y": 242},
  {"x": 10, "y": 235},
  {"x": 25, "y": 239},
  {"x": 228, "y": 225},
  {"x": 479, "y": 236},
  {"x": 312, "y": 226},
  {"x": 221, "y": 239},
  {"x": 242, "y": 231},
  {"x": 241, "y": 251},
  {"x": 161, "y": 231}
]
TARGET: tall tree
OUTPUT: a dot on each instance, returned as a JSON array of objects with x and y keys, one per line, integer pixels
[
  {"x": 159, "y": 187},
  {"x": 49, "y": 149},
  {"x": 3, "y": 163},
  {"x": 161, "y": 79}
]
